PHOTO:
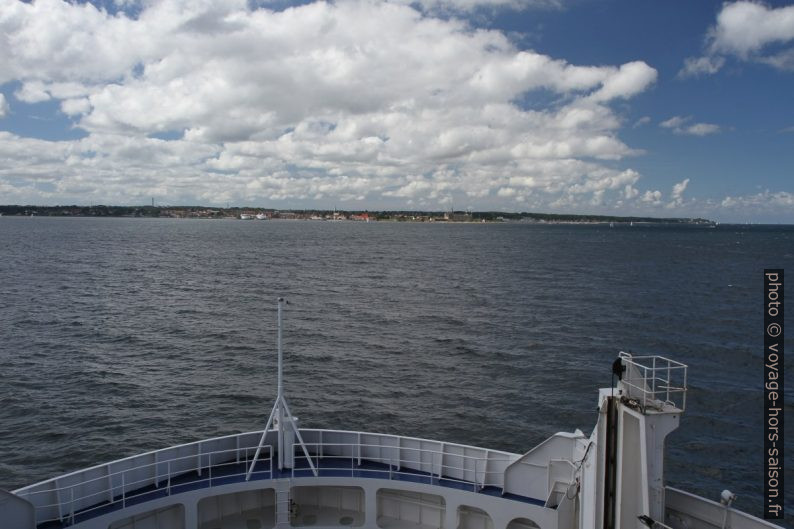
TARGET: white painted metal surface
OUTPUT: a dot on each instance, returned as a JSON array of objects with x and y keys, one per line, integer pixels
[{"x": 684, "y": 509}]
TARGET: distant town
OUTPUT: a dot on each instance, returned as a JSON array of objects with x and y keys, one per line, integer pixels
[{"x": 253, "y": 213}]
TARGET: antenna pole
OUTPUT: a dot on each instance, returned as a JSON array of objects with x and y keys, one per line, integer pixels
[
  {"x": 280, "y": 390},
  {"x": 281, "y": 418}
]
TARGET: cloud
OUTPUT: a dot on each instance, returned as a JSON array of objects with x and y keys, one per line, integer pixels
[
  {"x": 680, "y": 125},
  {"x": 471, "y": 5},
  {"x": 76, "y": 106},
  {"x": 779, "y": 199},
  {"x": 631, "y": 79},
  {"x": 766, "y": 206},
  {"x": 674, "y": 122},
  {"x": 783, "y": 60},
  {"x": 642, "y": 121},
  {"x": 652, "y": 197},
  {"x": 677, "y": 194},
  {"x": 32, "y": 92},
  {"x": 695, "y": 66},
  {"x": 4, "y": 108},
  {"x": 702, "y": 129},
  {"x": 351, "y": 100},
  {"x": 745, "y": 30},
  {"x": 679, "y": 188}
]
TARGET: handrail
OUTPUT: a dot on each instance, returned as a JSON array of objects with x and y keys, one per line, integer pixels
[
  {"x": 426, "y": 450},
  {"x": 683, "y": 506},
  {"x": 149, "y": 453},
  {"x": 655, "y": 381},
  {"x": 255, "y": 433},
  {"x": 157, "y": 477},
  {"x": 400, "y": 462},
  {"x": 405, "y": 438},
  {"x": 135, "y": 485},
  {"x": 83, "y": 492}
]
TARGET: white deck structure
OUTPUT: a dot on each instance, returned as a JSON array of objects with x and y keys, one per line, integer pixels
[{"x": 284, "y": 477}]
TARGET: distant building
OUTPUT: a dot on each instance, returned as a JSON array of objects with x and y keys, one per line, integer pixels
[{"x": 460, "y": 217}]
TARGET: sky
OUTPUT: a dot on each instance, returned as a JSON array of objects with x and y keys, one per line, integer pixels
[{"x": 666, "y": 109}]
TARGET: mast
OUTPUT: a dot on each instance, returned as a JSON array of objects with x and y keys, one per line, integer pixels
[
  {"x": 280, "y": 416},
  {"x": 280, "y": 391}
]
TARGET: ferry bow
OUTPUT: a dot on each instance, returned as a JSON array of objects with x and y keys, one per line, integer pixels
[{"x": 285, "y": 476}]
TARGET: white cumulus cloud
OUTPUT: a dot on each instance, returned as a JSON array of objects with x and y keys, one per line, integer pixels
[
  {"x": 4, "y": 108},
  {"x": 746, "y": 30},
  {"x": 630, "y": 192},
  {"x": 346, "y": 101},
  {"x": 677, "y": 194},
  {"x": 779, "y": 199},
  {"x": 766, "y": 206},
  {"x": 652, "y": 197},
  {"x": 470, "y": 5}
]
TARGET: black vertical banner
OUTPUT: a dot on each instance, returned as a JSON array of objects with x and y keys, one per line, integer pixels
[{"x": 773, "y": 394}]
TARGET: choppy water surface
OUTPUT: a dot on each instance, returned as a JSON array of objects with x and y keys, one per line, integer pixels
[{"x": 124, "y": 335}]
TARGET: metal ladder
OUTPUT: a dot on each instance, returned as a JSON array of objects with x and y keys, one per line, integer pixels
[{"x": 282, "y": 504}]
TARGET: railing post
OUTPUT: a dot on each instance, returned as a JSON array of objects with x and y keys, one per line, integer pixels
[
  {"x": 169, "y": 477},
  {"x": 683, "y": 400},
  {"x": 210, "y": 468},
  {"x": 123, "y": 490},
  {"x": 71, "y": 516},
  {"x": 653, "y": 375},
  {"x": 644, "y": 386}
]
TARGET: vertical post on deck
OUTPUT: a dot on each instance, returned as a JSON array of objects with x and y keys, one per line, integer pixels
[
  {"x": 281, "y": 416},
  {"x": 280, "y": 392}
]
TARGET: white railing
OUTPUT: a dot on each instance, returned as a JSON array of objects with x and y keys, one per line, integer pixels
[
  {"x": 655, "y": 381},
  {"x": 470, "y": 471},
  {"x": 409, "y": 455},
  {"x": 69, "y": 499},
  {"x": 103, "y": 488},
  {"x": 684, "y": 509}
]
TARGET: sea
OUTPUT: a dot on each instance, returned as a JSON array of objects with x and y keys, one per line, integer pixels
[{"x": 122, "y": 335}]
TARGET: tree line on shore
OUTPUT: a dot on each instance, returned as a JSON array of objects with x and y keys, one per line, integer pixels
[{"x": 398, "y": 215}]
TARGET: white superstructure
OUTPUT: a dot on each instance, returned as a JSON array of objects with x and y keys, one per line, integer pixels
[{"x": 285, "y": 476}]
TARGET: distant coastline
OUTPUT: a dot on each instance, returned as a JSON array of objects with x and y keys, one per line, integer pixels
[{"x": 252, "y": 213}]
